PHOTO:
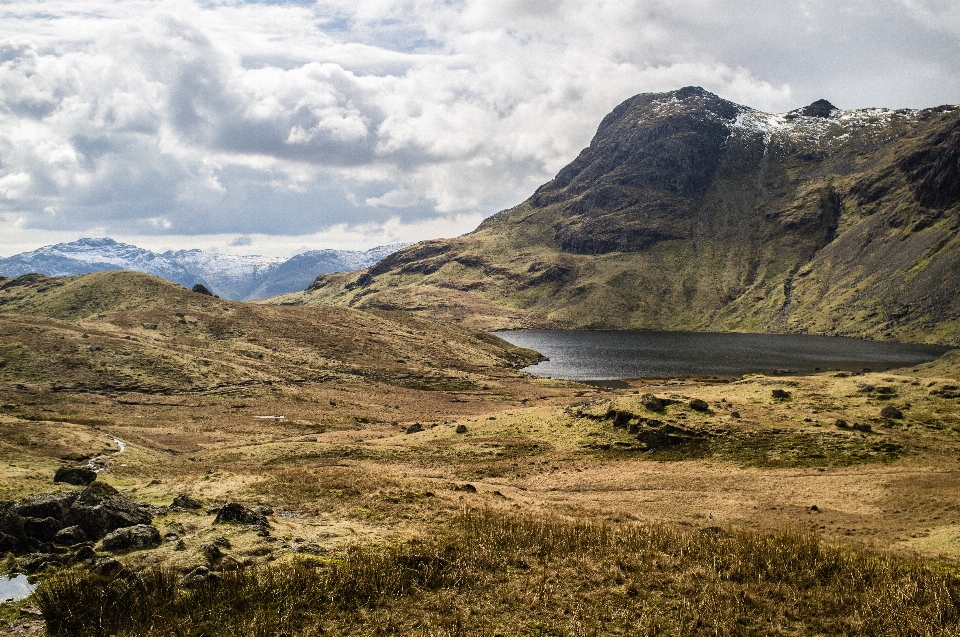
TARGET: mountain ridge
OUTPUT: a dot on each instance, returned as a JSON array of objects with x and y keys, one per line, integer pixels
[
  {"x": 691, "y": 212},
  {"x": 235, "y": 277}
]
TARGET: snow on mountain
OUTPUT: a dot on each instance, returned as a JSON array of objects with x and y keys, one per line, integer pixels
[{"x": 232, "y": 277}]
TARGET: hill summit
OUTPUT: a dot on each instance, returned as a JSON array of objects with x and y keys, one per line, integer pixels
[{"x": 691, "y": 212}]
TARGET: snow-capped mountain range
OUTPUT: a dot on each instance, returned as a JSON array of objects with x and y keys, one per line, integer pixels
[{"x": 232, "y": 277}]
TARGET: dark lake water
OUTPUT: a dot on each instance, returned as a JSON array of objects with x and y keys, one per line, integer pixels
[{"x": 603, "y": 354}]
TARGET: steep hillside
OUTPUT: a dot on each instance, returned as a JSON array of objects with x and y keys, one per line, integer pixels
[
  {"x": 691, "y": 212},
  {"x": 134, "y": 332}
]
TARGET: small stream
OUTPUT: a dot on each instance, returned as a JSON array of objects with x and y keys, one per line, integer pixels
[{"x": 101, "y": 462}]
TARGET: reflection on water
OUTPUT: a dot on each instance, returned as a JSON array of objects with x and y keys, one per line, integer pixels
[
  {"x": 607, "y": 354},
  {"x": 14, "y": 587}
]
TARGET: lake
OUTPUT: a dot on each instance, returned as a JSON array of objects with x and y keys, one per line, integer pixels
[{"x": 612, "y": 354}]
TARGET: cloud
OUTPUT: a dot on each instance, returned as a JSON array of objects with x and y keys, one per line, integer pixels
[{"x": 277, "y": 119}]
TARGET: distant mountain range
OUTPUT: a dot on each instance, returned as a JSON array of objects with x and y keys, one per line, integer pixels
[
  {"x": 690, "y": 212},
  {"x": 237, "y": 278}
]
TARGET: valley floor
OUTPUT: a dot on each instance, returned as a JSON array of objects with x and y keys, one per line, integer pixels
[{"x": 807, "y": 456}]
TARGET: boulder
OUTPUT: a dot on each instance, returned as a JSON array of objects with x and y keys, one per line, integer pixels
[
  {"x": 211, "y": 551},
  {"x": 132, "y": 538},
  {"x": 891, "y": 412},
  {"x": 183, "y": 501},
  {"x": 699, "y": 405},
  {"x": 46, "y": 505},
  {"x": 100, "y": 509},
  {"x": 107, "y": 566},
  {"x": 200, "y": 288},
  {"x": 780, "y": 394},
  {"x": 43, "y": 529},
  {"x": 652, "y": 403},
  {"x": 79, "y": 476},
  {"x": 234, "y": 512},
  {"x": 414, "y": 428},
  {"x": 461, "y": 429},
  {"x": 37, "y": 561},
  {"x": 84, "y": 555}
]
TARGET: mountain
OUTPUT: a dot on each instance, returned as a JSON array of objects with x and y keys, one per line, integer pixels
[
  {"x": 691, "y": 212},
  {"x": 232, "y": 277}
]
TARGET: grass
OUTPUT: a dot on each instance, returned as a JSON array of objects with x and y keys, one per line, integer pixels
[{"x": 493, "y": 573}]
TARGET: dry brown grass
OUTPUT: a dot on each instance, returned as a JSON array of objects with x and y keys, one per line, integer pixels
[{"x": 491, "y": 573}]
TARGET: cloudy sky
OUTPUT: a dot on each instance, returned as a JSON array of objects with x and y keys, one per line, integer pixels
[{"x": 275, "y": 127}]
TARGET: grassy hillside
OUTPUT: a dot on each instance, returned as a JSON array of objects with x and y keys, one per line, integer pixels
[
  {"x": 688, "y": 212},
  {"x": 132, "y": 331}
]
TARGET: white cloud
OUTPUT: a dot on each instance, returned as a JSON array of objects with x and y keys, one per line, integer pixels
[{"x": 331, "y": 120}]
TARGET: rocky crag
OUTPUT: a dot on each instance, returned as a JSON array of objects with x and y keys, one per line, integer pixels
[{"x": 690, "y": 212}]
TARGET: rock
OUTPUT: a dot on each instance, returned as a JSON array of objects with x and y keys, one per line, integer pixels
[
  {"x": 699, "y": 405},
  {"x": 150, "y": 326},
  {"x": 891, "y": 412},
  {"x": 414, "y": 428},
  {"x": 35, "y": 562},
  {"x": 79, "y": 476},
  {"x": 262, "y": 509},
  {"x": 69, "y": 536},
  {"x": 100, "y": 509},
  {"x": 46, "y": 505},
  {"x": 469, "y": 488},
  {"x": 652, "y": 403},
  {"x": 200, "y": 288},
  {"x": 841, "y": 424},
  {"x": 199, "y": 576},
  {"x": 84, "y": 555},
  {"x": 132, "y": 538},
  {"x": 621, "y": 419},
  {"x": 307, "y": 439},
  {"x": 461, "y": 429},
  {"x": 107, "y": 566},
  {"x": 43, "y": 529},
  {"x": 234, "y": 512},
  {"x": 211, "y": 551},
  {"x": 222, "y": 542},
  {"x": 735, "y": 414},
  {"x": 183, "y": 501},
  {"x": 780, "y": 394},
  {"x": 862, "y": 427},
  {"x": 170, "y": 537}
]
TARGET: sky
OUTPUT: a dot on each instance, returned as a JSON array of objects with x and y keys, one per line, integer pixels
[{"x": 277, "y": 127}]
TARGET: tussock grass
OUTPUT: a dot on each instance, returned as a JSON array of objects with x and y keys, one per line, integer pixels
[{"x": 489, "y": 573}]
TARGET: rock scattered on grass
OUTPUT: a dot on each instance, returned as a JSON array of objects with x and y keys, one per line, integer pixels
[
  {"x": 414, "y": 428},
  {"x": 891, "y": 412},
  {"x": 184, "y": 501},
  {"x": 234, "y": 512},
  {"x": 78, "y": 476},
  {"x": 132, "y": 538},
  {"x": 699, "y": 405},
  {"x": 652, "y": 403},
  {"x": 780, "y": 394},
  {"x": 461, "y": 429}
]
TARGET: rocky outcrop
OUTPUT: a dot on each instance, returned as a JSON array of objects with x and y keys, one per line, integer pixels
[{"x": 38, "y": 523}]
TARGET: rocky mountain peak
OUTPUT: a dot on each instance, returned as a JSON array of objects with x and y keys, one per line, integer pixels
[{"x": 820, "y": 108}]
